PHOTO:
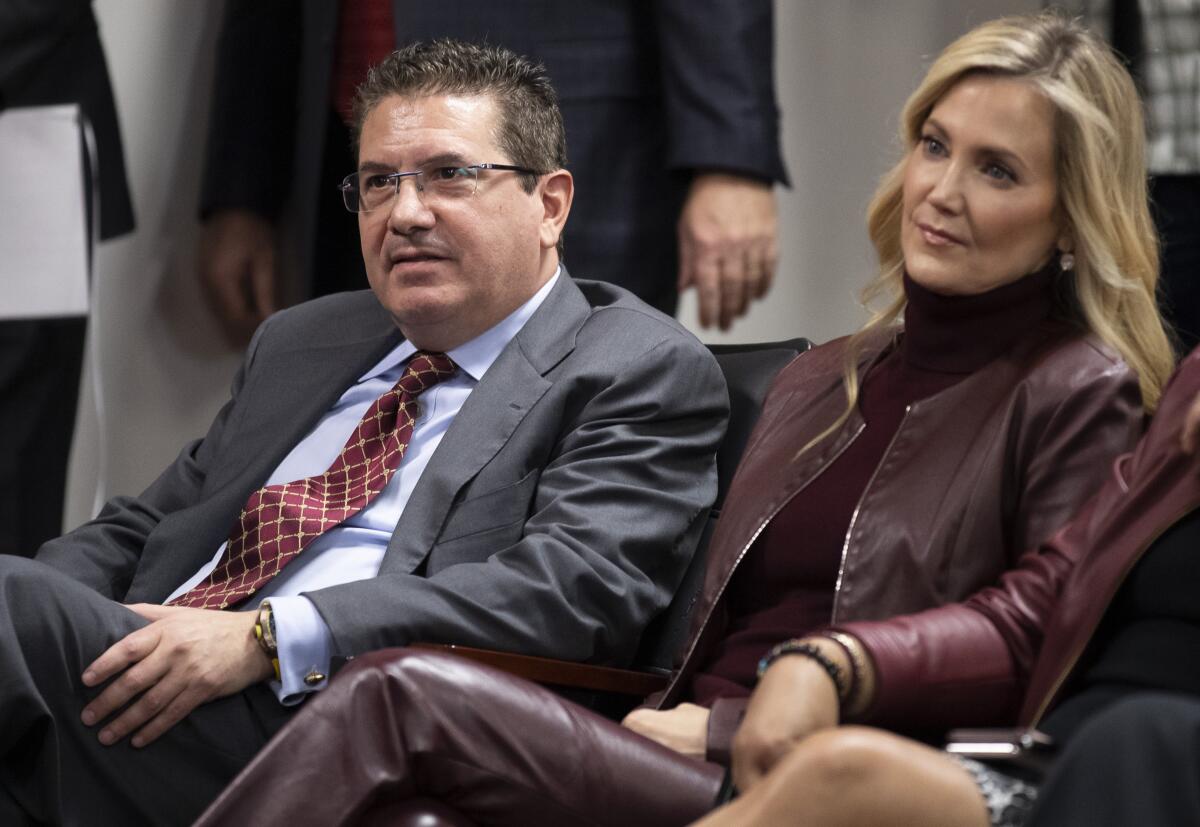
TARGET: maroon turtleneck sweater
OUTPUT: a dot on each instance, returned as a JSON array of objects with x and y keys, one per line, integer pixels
[{"x": 784, "y": 586}]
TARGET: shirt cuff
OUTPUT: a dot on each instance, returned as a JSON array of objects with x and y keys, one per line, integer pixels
[{"x": 305, "y": 648}]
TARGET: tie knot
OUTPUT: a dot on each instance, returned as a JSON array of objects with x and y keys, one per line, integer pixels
[{"x": 425, "y": 370}]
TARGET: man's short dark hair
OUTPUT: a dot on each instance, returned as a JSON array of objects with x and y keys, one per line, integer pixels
[{"x": 530, "y": 123}]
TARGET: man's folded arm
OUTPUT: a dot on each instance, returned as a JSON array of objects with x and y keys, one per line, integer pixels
[{"x": 615, "y": 519}]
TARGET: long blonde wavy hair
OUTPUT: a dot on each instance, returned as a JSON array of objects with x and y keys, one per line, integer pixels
[{"x": 1100, "y": 166}]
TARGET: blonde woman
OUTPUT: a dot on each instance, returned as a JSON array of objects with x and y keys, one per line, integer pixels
[{"x": 868, "y": 558}]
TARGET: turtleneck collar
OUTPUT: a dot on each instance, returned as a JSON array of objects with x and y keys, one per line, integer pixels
[{"x": 960, "y": 334}]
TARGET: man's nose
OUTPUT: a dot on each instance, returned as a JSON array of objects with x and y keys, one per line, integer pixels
[{"x": 408, "y": 210}]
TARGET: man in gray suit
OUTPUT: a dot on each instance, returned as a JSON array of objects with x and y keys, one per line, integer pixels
[{"x": 479, "y": 450}]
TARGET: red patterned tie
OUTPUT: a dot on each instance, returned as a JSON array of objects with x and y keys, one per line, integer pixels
[{"x": 280, "y": 521}]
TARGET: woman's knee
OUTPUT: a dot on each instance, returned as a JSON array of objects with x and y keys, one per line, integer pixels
[{"x": 839, "y": 760}]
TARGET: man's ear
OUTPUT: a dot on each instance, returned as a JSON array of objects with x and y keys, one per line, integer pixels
[{"x": 557, "y": 189}]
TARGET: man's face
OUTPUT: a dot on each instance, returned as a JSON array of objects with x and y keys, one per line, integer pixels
[{"x": 449, "y": 269}]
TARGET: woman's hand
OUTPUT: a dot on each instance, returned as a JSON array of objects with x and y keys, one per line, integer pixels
[
  {"x": 795, "y": 698},
  {"x": 683, "y": 729}
]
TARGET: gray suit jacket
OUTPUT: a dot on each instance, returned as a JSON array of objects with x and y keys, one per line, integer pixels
[{"x": 555, "y": 518}]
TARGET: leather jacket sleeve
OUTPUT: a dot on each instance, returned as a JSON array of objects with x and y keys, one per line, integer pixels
[{"x": 968, "y": 663}]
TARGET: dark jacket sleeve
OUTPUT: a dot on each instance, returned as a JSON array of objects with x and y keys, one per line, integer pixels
[
  {"x": 50, "y": 53},
  {"x": 251, "y": 134},
  {"x": 718, "y": 88},
  {"x": 968, "y": 663}
]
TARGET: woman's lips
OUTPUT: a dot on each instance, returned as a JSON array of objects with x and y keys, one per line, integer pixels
[{"x": 936, "y": 237}]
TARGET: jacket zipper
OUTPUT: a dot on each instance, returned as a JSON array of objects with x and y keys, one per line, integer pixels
[
  {"x": 1074, "y": 659},
  {"x": 738, "y": 560},
  {"x": 837, "y": 589}
]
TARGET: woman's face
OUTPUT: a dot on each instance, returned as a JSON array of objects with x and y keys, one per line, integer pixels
[{"x": 980, "y": 192}]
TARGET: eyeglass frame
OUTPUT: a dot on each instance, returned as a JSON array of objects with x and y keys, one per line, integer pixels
[{"x": 350, "y": 184}]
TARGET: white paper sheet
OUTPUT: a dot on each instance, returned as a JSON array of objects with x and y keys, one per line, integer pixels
[{"x": 43, "y": 232}]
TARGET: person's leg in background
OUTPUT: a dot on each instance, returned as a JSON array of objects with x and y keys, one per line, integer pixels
[
  {"x": 1137, "y": 762},
  {"x": 40, "y": 366}
]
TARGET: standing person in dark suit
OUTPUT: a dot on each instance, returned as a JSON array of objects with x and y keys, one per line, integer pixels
[
  {"x": 669, "y": 109},
  {"x": 478, "y": 450},
  {"x": 50, "y": 53}
]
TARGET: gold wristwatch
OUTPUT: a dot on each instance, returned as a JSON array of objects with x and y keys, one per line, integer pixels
[{"x": 264, "y": 633}]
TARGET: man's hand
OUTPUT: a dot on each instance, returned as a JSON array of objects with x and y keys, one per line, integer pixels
[
  {"x": 727, "y": 244},
  {"x": 184, "y": 658},
  {"x": 238, "y": 271},
  {"x": 683, "y": 729},
  {"x": 794, "y": 699}
]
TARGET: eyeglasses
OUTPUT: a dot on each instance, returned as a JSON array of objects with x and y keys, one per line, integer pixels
[{"x": 366, "y": 191}]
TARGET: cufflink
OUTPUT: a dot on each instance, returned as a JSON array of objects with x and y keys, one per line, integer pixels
[{"x": 314, "y": 677}]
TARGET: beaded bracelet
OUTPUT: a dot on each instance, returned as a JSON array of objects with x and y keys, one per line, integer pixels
[
  {"x": 857, "y": 698},
  {"x": 812, "y": 652}
]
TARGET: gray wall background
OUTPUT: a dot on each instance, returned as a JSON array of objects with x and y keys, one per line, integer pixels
[{"x": 843, "y": 70}]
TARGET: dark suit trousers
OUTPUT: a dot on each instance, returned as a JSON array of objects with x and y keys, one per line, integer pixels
[
  {"x": 54, "y": 769},
  {"x": 487, "y": 748},
  {"x": 1136, "y": 762},
  {"x": 40, "y": 363}
]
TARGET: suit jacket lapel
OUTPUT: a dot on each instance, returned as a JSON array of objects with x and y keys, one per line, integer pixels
[
  {"x": 508, "y": 391},
  {"x": 294, "y": 387},
  {"x": 286, "y": 392}
]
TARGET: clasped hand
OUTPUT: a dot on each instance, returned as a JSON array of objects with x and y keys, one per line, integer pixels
[
  {"x": 163, "y": 671},
  {"x": 683, "y": 729},
  {"x": 794, "y": 699}
]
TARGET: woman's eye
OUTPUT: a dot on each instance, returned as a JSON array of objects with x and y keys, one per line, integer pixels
[
  {"x": 998, "y": 172},
  {"x": 933, "y": 146}
]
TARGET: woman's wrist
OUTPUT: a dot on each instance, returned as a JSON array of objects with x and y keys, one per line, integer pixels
[
  {"x": 862, "y": 692},
  {"x": 817, "y": 654},
  {"x": 842, "y": 658}
]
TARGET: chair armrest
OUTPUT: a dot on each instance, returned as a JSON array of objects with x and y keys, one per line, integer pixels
[{"x": 560, "y": 672}]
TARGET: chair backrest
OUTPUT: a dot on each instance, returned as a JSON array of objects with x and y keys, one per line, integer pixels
[{"x": 749, "y": 370}]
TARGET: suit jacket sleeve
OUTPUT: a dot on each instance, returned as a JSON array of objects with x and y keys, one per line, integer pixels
[
  {"x": 968, "y": 663},
  {"x": 718, "y": 87},
  {"x": 253, "y": 112},
  {"x": 620, "y": 499},
  {"x": 29, "y": 32}
]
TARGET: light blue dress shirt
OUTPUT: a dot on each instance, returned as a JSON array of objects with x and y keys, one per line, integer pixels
[{"x": 354, "y": 549}]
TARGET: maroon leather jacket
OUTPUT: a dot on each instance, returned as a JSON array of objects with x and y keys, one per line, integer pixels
[
  {"x": 1148, "y": 491},
  {"x": 975, "y": 475}
]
